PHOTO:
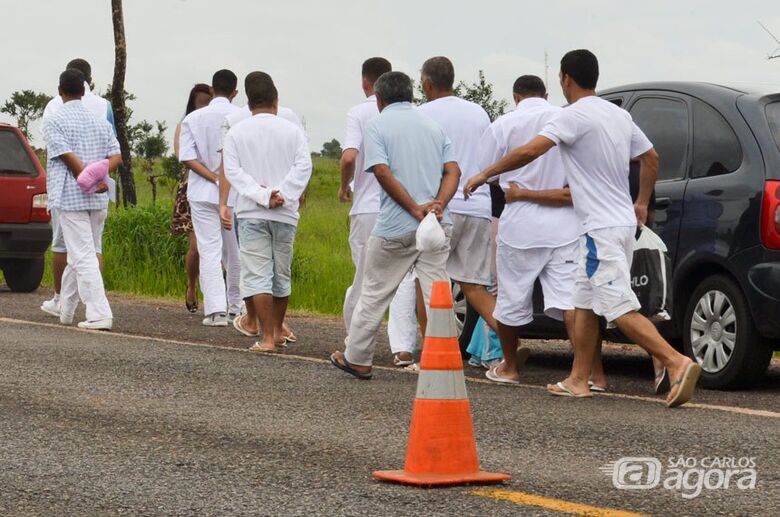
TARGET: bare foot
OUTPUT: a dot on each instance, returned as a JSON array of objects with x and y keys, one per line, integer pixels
[
  {"x": 676, "y": 373},
  {"x": 339, "y": 357},
  {"x": 264, "y": 348},
  {"x": 508, "y": 373}
]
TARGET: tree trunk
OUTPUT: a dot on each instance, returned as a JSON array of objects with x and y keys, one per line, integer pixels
[{"x": 118, "y": 103}]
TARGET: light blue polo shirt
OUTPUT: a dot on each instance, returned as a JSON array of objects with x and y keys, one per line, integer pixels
[{"x": 416, "y": 149}]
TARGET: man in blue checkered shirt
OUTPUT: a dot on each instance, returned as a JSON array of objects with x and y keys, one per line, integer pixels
[{"x": 74, "y": 138}]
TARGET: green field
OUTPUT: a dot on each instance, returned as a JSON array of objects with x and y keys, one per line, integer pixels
[{"x": 143, "y": 258}]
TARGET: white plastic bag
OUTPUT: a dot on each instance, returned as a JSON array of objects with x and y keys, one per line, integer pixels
[{"x": 430, "y": 234}]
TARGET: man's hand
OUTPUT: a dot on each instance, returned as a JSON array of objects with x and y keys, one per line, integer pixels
[
  {"x": 226, "y": 217},
  {"x": 434, "y": 206},
  {"x": 641, "y": 213},
  {"x": 473, "y": 184},
  {"x": 276, "y": 200},
  {"x": 101, "y": 187},
  {"x": 345, "y": 194},
  {"x": 515, "y": 193}
]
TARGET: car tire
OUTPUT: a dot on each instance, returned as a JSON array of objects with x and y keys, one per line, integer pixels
[
  {"x": 718, "y": 333},
  {"x": 23, "y": 276}
]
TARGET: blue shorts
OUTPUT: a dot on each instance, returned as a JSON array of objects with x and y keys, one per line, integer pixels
[{"x": 266, "y": 257}]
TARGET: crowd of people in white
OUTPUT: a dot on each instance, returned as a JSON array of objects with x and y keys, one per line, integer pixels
[{"x": 569, "y": 219}]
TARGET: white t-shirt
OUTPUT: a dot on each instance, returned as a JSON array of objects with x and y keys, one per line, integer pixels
[
  {"x": 524, "y": 224},
  {"x": 263, "y": 154},
  {"x": 365, "y": 187},
  {"x": 200, "y": 139},
  {"x": 597, "y": 140},
  {"x": 463, "y": 122}
]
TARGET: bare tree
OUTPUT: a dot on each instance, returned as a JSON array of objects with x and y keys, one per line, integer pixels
[
  {"x": 118, "y": 102},
  {"x": 776, "y": 52}
]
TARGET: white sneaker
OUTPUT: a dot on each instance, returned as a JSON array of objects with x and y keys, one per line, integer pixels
[
  {"x": 66, "y": 319},
  {"x": 104, "y": 324},
  {"x": 52, "y": 307},
  {"x": 218, "y": 319}
]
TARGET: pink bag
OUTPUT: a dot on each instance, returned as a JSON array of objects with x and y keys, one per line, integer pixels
[{"x": 92, "y": 175}]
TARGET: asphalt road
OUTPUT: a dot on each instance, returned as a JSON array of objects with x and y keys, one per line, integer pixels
[{"x": 135, "y": 423}]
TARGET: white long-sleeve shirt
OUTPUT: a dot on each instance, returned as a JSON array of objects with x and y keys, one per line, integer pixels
[{"x": 263, "y": 154}]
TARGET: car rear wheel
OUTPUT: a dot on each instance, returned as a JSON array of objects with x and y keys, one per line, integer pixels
[
  {"x": 23, "y": 276},
  {"x": 720, "y": 335}
]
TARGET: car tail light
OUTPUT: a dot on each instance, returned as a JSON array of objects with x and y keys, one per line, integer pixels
[
  {"x": 40, "y": 208},
  {"x": 770, "y": 215}
]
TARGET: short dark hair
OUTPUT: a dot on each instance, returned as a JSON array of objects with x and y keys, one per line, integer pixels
[
  {"x": 529, "y": 86},
  {"x": 582, "y": 66},
  {"x": 374, "y": 67},
  {"x": 72, "y": 82},
  {"x": 394, "y": 87},
  {"x": 224, "y": 82},
  {"x": 83, "y": 66},
  {"x": 440, "y": 71},
  {"x": 260, "y": 90}
]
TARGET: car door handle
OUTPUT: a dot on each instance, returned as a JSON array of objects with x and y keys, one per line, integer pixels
[{"x": 663, "y": 202}]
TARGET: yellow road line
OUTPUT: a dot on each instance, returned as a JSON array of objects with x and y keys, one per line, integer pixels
[
  {"x": 556, "y": 505},
  {"x": 713, "y": 407}
]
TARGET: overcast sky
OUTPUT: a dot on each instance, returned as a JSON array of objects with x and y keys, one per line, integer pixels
[{"x": 314, "y": 49}]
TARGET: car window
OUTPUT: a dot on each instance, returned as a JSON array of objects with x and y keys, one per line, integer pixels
[
  {"x": 665, "y": 122},
  {"x": 716, "y": 149},
  {"x": 14, "y": 160},
  {"x": 773, "y": 116}
]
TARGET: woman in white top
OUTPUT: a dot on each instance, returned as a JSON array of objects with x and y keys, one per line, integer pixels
[{"x": 181, "y": 220}]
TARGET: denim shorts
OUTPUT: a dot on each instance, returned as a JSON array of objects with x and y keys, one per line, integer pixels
[{"x": 266, "y": 257}]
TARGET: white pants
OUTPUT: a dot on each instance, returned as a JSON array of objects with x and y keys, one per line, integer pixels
[
  {"x": 81, "y": 230},
  {"x": 402, "y": 327},
  {"x": 216, "y": 246}
]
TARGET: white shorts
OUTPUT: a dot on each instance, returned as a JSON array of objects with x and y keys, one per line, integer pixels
[
  {"x": 58, "y": 241},
  {"x": 604, "y": 272},
  {"x": 469, "y": 259},
  {"x": 518, "y": 270}
]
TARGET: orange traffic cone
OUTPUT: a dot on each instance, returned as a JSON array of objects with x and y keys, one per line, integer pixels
[{"x": 441, "y": 448}]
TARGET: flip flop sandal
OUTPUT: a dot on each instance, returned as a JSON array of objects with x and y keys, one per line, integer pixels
[
  {"x": 347, "y": 368},
  {"x": 290, "y": 338},
  {"x": 493, "y": 375},
  {"x": 565, "y": 391},
  {"x": 687, "y": 385},
  {"x": 257, "y": 347},
  {"x": 596, "y": 388},
  {"x": 397, "y": 361},
  {"x": 237, "y": 325},
  {"x": 662, "y": 384}
]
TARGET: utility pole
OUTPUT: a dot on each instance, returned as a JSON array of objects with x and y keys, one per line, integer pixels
[{"x": 546, "y": 72}]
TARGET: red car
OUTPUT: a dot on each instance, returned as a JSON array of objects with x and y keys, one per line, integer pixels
[{"x": 25, "y": 233}]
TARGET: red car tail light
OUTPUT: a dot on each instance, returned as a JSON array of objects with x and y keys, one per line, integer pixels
[
  {"x": 770, "y": 215},
  {"x": 40, "y": 209}
]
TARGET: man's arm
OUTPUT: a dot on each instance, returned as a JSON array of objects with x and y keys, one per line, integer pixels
[
  {"x": 73, "y": 162},
  {"x": 552, "y": 197},
  {"x": 348, "y": 160},
  {"x": 449, "y": 183},
  {"x": 397, "y": 191},
  {"x": 188, "y": 154},
  {"x": 516, "y": 158},
  {"x": 225, "y": 213},
  {"x": 297, "y": 178},
  {"x": 648, "y": 173}
]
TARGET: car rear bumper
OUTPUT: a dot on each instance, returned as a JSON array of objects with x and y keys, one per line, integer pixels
[
  {"x": 763, "y": 293},
  {"x": 24, "y": 240}
]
